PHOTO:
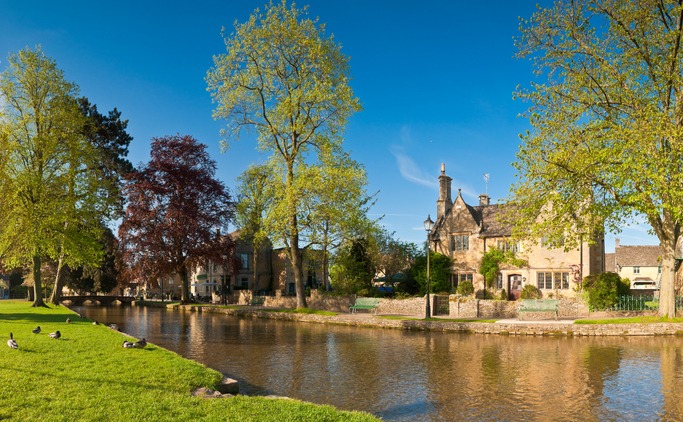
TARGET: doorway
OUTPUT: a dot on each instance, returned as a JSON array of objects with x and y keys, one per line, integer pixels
[{"x": 514, "y": 286}]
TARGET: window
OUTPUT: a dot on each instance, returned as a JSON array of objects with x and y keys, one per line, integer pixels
[
  {"x": 244, "y": 259},
  {"x": 499, "y": 281},
  {"x": 507, "y": 246},
  {"x": 548, "y": 280},
  {"x": 636, "y": 270},
  {"x": 659, "y": 269},
  {"x": 460, "y": 243}
]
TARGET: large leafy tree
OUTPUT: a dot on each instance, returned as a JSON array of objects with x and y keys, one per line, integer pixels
[
  {"x": 607, "y": 118},
  {"x": 336, "y": 206},
  {"x": 48, "y": 180},
  {"x": 254, "y": 200},
  {"x": 283, "y": 76},
  {"x": 176, "y": 209},
  {"x": 394, "y": 256},
  {"x": 107, "y": 135}
]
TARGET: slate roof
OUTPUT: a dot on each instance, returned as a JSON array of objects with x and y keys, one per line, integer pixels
[
  {"x": 638, "y": 256},
  {"x": 610, "y": 262},
  {"x": 491, "y": 216}
]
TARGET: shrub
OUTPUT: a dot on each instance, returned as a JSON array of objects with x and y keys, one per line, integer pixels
[
  {"x": 465, "y": 288},
  {"x": 503, "y": 295},
  {"x": 484, "y": 294},
  {"x": 530, "y": 291},
  {"x": 603, "y": 291}
]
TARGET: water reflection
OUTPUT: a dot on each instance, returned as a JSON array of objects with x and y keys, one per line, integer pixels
[{"x": 403, "y": 375}]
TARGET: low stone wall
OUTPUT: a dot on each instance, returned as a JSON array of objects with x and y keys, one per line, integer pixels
[
  {"x": 459, "y": 307},
  {"x": 539, "y": 328}
]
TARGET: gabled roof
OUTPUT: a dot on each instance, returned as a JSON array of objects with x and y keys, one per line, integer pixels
[
  {"x": 487, "y": 217},
  {"x": 638, "y": 256},
  {"x": 610, "y": 265}
]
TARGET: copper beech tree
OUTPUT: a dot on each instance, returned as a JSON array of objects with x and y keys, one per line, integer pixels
[{"x": 176, "y": 210}]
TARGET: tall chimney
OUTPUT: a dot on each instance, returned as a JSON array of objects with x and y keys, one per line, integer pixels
[
  {"x": 484, "y": 199},
  {"x": 444, "y": 203}
]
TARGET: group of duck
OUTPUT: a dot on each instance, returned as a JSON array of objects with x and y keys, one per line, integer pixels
[
  {"x": 12, "y": 343},
  {"x": 140, "y": 344}
]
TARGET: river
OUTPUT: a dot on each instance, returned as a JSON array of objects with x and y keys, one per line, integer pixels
[{"x": 407, "y": 376}]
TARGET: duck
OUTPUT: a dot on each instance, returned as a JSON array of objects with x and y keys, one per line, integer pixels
[
  {"x": 114, "y": 327},
  {"x": 36, "y": 330},
  {"x": 95, "y": 323},
  {"x": 68, "y": 320},
  {"x": 128, "y": 344},
  {"x": 140, "y": 344},
  {"x": 12, "y": 343},
  {"x": 55, "y": 335}
]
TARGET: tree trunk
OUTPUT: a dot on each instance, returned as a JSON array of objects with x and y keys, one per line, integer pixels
[
  {"x": 294, "y": 251},
  {"x": 185, "y": 284},
  {"x": 37, "y": 285},
  {"x": 667, "y": 292},
  {"x": 57, "y": 290}
]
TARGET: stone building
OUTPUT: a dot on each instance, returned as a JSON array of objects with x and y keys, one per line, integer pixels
[
  {"x": 641, "y": 265},
  {"x": 465, "y": 233},
  {"x": 273, "y": 273}
]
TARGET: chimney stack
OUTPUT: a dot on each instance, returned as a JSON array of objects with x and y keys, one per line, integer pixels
[
  {"x": 444, "y": 203},
  {"x": 484, "y": 199}
]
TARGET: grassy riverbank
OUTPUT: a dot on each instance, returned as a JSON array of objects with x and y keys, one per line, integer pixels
[{"x": 87, "y": 375}]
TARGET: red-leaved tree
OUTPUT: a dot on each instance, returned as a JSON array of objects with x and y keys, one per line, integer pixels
[{"x": 176, "y": 210}]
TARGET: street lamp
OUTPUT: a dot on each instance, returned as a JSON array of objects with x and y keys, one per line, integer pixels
[{"x": 429, "y": 225}]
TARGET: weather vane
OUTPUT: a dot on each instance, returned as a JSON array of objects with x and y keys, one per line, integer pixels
[{"x": 486, "y": 180}]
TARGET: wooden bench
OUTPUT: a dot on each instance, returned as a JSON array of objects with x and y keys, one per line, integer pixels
[
  {"x": 369, "y": 303},
  {"x": 539, "y": 305}
]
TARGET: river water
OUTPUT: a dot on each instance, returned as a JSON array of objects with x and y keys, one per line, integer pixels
[{"x": 426, "y": 376}]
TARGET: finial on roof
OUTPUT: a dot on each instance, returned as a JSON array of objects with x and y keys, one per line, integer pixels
[{"x": 443, "y": 168}]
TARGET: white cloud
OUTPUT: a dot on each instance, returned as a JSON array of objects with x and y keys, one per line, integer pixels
[{"x": 410, "y": 171}]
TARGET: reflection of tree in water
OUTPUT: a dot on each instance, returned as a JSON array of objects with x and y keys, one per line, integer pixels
[{"x": 603, "y": 364}]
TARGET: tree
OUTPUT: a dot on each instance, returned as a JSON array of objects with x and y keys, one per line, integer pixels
[
  {"x": 607, "y": 119},
  {"x": 284, "y": 77},
  {"x": 439, "y": 272},
  {"x": 107, "y": 134},
  {"x": 175, "y": 211},
  {"x": 254, "y": 200},
  {"x": 353, "y": 268},
  {"x": 336, "y": 206},
  {"x": 394, "y": 256},
  {"x": 49, "y": 187}
]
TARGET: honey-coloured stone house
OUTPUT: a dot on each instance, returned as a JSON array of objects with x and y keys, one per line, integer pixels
[{"x": 465, "y": 233}]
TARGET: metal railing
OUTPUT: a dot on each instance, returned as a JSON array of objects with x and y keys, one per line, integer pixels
[{"x": 641, "y": 303}]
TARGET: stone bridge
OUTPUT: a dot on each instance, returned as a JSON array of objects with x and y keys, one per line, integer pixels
[{"x": 97, "y": 300}]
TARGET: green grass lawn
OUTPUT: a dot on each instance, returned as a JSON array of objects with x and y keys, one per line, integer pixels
[
  {"x": 404, "y": 318},
  {"x": 630, "y": 320},
  {"x": 87, "y": 375}
]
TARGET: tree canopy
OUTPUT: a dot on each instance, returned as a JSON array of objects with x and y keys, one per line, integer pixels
[
  {"x": 284, "y": 77},
  {"x": 607, "y": 123},
  {"x": 176, "y": 210},
  {"x": 49, "y": 182}
]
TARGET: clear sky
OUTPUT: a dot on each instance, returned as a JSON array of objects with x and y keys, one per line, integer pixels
[{"x": 435, "y": 78}]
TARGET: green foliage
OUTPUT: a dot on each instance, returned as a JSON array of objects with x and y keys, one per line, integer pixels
[
  {"x": 490, "y": 265},
  {"x": 439, "y": 272},
  {"x": 484, "y": 294},
  {"x": 529, "y": 291},
  {"x": 465, "y": 288},
  {"x": 606, "y": 120},
  {"x": 503, "y": 295},
  {"x": 50, "y": 173},
  {"x": 283, "y": 76},
  {"x": 353, "y": 269},
  {"x": 602, "y": 291}
]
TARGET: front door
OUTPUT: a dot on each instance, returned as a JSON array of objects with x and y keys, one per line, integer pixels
[{"x": 514, "y": 286}]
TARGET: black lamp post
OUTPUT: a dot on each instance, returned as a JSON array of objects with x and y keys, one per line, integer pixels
[{"x": 429, "y": 225}]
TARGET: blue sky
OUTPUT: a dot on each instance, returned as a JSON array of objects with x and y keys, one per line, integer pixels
[{"x": 435, "y": 79}]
